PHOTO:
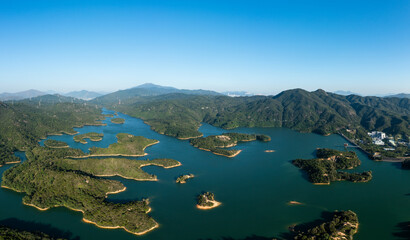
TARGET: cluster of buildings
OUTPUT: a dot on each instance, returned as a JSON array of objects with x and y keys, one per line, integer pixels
[{"x": 377, "y": 137}]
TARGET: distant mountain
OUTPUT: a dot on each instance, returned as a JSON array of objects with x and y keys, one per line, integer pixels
[
  {"x": 345, "y": 93},
  {"x": 400, "y": 95},
  {"x": 318, "y": 111},
  {"x": 84, "y": 94},
  {"x": 237, "y": 93},
  {"x": 146, "y": 90},
  {"x": 20, "y": 95},
  {"x": 51, "y": 99}
]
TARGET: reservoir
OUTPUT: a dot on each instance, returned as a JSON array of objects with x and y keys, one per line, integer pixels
[{"x": 254, "y": 189}]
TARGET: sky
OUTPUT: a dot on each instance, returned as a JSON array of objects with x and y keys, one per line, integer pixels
[{"x": 255, "y": 46}]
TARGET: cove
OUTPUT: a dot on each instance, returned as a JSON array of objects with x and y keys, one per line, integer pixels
[{"x": 254, "y": 189}]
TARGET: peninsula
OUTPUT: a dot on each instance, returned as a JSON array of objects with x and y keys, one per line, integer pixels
[
  {"x": 217, "y": 144},
  {"x": 127, "y": 145},
  {"x": 75, "y": 184},
  {"x": 55, "y": 144},
  {"x": 207, "y": 201},
  {"x": 324, "y": 169},
  {"x": 93, "y": 136},
  {"x": 118, "y": 120}
]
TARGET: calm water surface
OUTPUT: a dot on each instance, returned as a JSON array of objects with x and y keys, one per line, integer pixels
[{"x": 254, "y": 189}]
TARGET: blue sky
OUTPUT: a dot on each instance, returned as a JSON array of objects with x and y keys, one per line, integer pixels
[{"x": 256, "y": 46}]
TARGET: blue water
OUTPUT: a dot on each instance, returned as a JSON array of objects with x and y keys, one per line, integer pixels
[{"x": 254, "y": 189}]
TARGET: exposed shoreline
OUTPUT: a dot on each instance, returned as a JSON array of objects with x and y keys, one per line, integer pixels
[
  {"x": 220, "y": 154},
  {"x": 215, "y": 204},
  {"x": 88, "y": 221}
]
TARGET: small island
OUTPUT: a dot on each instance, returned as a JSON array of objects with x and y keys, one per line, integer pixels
[
  {"x": 55, "y": 144},
  {"x": 183, "y": 178},
  {"x": 269, "y": 151},
  {"x": 207, "y": 201},
  {"x": 341, "y": 225},
  {"x": 324, "y": 169},
  {"x": 93, "y": 136},
  {"x": 217, "y": 144},
  {"x": 118, "y": 120},
  {"x": 127, "y": 145}
]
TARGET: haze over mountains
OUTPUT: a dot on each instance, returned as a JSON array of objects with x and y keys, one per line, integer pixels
[{"x": 145, "y": 90}]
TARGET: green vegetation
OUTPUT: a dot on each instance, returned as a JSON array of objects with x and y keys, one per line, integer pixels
[
  {"x": 323, "y": 169},
  {"x": 49, "y": 179},
  {"x": 128, "y": 145},
  {"x": 55, "y": 144},
  {"x": 118, "y": 120},
  {"x": 6, "y": 155},
  {"x": 24, "y": 123},
  {"x": 93, "y": 136},
  {"x": 343, "y": 226},
  {"x": 216, "y": 143},
  {"x": 7, "y": 233},
  {"x": 126, "y": 168},
  {"x": 183, "y": 178},
  {"x": 207, "y": 200},
  {"x": 405, "y": 164},
  {"x": 180, "y": 115}
]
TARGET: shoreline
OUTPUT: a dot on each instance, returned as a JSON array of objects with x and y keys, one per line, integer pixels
[
  {"x": 321, "y": 183},
  {"x": 89, "y": 221},
  {"x": 216, "y": 204},
  {"x": 220, "y": 154},
  {"x": 131, "y": 178},
  {"x": 156, "y": 164}
]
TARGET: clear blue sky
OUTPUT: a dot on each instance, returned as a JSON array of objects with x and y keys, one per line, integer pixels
[{"x": 258, "y": 46}]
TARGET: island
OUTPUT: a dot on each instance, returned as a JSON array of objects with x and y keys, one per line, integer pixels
[
  {"x": 183, "y": 178},
  {"x": 55, "y": 144},
  {"x": 341, "y": 225},
  {"x": 118, "y": 120},
  {"x": 77, "y": 185},
  {"x": 324, "y": 169},
  {"x": 207, "y": 201},
  {"x": 127, "y": 145},
  {"x": 93, "y": 136},
  {"x": 217, "y": 143},
  {"x": 13, "y": 233},
  {"x": 406, "y": 164}
]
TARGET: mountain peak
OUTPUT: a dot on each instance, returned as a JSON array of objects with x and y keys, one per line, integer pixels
[{"x": 151, "y": 85}]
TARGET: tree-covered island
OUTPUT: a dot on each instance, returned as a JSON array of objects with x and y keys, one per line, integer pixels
[
  {"x": 49, "y": 179},
  {"x": 184, "y": 178},
  {"x": 127, "y": 145},
  {"x": 93, "y": 136},
  {"x": 55, "y": 144},
  {"x": 343, "y": 225},
  {"x": 207, "y": 201},
  {"x": 7, "y": 233},
  {"x": 217, "y": 143},
  {"x": 118, "y": 120},
  {"x": 324, "y": 168}
]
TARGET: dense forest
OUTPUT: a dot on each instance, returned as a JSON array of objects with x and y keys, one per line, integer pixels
[
  {"x": 48, "y": 179},
  {"x": 324, "y": 169},
  {"x": 7, "y": 233},
  {"x": 23, "y": 123},
  {"x": 180, "y": 115},
  {"x": 342, "y": 225},
  {"x": 217, "y": 143}
]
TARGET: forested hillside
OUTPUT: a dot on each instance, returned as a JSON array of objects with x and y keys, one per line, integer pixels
[
  {"x": 180, "y": 115},
  {"x": 24, "y": 123}
]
